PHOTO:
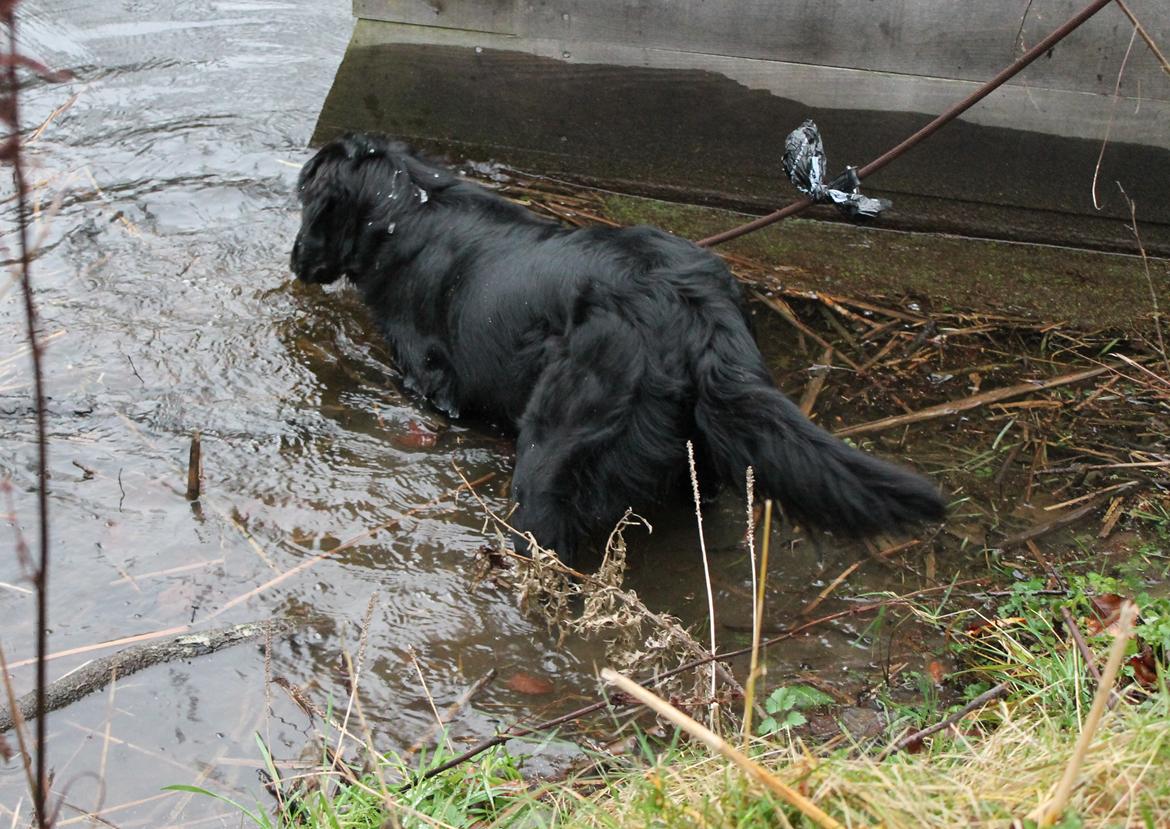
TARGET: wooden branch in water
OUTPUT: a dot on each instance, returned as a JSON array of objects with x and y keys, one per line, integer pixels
[
  {"x": 968, "y": 403},
  {"x": 194, "y": 468},
  {"x": 1064, "y": 520},
  {"x": 451, "y": 712},
  {"x": 97, "y": 674}
]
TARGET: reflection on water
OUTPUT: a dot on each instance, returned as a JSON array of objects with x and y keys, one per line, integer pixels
[{"x": 168, "y": 307}]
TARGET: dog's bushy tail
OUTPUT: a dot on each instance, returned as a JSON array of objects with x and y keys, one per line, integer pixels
[{"x": 820, "y": 480}]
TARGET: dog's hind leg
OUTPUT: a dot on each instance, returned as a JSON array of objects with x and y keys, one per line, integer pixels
[{"x": 603, "y": 431}]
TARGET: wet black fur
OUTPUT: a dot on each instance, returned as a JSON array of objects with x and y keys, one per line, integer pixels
[{"x": 605, "y": 349}]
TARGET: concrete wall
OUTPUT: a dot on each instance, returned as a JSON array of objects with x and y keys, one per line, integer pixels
[{"x": 692, "y": 99}]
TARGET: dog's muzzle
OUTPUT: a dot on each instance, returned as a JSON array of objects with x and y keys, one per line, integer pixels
[{"x": 306, "y": 269}]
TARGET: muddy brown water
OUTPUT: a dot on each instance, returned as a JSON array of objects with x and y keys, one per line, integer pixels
[{"x": 168, "y": 308}]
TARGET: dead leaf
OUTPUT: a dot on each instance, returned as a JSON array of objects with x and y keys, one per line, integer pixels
[
  {"x": 1145, "y": 669},
  {"x": 937, "y": 672},
  {"x": 1106, "y": 614},
  {"x": 528, "y": 684},
  {"x": 989, "y": 625},
  {"x": 417, "y": 436}
]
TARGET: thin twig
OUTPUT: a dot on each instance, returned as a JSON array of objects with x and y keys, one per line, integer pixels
[
  {"x": 1078, "y": 638},
  {"x": 1109, "y": 124},
  {"x": 21, "y": 739},
  {"x": 716, "y": 743},
  {"x": 355, "y": 668},
  {"x": 758, "y": 594},
  {"x": 430, "y": 699},
  {"x": 107, "y": 733},
  {"x": 453, "y": 710},
  {"x": 706, "y": 575},
  {"x": 967, "y": 403},
  {"x": 1141, "y": 30},
  {"x": 974, "y": 705},
  {"x": 1133, "y": 226},
  {"x": 1048, "y": 814}
]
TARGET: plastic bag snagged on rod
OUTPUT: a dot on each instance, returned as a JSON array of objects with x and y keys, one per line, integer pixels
[{"x": 805, "y": 163}]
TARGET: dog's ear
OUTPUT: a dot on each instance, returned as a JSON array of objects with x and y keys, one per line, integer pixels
[
  {"x": 322, "y": 242},
  {"x": 351, "y": 184},
  {"x": 327, "y": 157}
]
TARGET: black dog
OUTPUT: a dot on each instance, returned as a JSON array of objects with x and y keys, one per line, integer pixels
[{"x": 605, "y": 349}]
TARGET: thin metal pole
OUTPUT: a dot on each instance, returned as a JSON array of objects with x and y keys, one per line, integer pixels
[{"x": 930, "y": 129}]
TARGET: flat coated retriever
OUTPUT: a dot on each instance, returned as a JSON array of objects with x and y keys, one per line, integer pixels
[{"x": 606, "y": 350}]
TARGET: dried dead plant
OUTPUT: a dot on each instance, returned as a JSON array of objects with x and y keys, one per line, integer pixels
[{"x": 637, "y": 639}]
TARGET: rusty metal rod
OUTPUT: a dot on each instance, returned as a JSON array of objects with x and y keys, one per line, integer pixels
[{"x": 942, "y": 120}]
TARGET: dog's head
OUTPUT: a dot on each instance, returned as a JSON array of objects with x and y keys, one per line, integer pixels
[{"x": 353, "y": 192}]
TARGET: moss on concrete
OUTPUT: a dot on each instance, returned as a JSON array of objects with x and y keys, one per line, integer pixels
[{"x": 1087, "y": 289}]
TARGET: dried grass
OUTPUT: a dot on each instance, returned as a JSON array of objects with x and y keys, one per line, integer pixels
[
  {"x": 637, "y": 640},
  {"x": 965, "y": 779}
]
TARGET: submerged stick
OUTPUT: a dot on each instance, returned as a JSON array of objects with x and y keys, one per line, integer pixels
[
  {"x": 833, "y": 585},
  {"x": 1062, "y": 521},
  {"x": 968, "y": 403},
  {"x": 452, "y": 711},
  {"x": 717, "y": 744},
  {"x": 195, "y": 468},
  {"x": 97, "y": 674},
  {"x": 518, "y": 730}
]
